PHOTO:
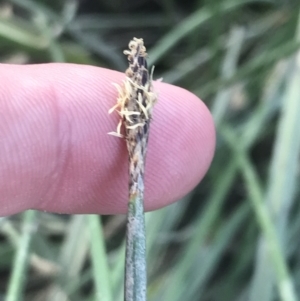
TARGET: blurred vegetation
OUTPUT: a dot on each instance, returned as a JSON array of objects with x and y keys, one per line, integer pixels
[{"x": 236, "y": 236}]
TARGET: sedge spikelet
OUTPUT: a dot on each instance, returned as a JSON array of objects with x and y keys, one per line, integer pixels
[{"x": 134, "y": 104}]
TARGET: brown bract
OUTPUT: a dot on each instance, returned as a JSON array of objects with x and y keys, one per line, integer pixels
[
  {"x": 134, "y": 104},
  {"x": 136, "y": 97}
]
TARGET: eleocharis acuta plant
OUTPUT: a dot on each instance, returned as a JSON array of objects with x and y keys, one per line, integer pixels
[{"x": 134, "y": 104}]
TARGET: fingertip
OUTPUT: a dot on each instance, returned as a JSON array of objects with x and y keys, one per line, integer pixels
[
  {"x": 58, "y": 113},
  {"x": 181, "y": 145}
]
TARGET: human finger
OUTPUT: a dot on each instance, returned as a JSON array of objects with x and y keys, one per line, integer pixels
[{"x": 56, "y": 154}]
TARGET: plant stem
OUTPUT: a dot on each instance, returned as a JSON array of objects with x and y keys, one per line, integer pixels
[
  {"x": 135, "y": 103},
  {"x": 135, "y": 269}
]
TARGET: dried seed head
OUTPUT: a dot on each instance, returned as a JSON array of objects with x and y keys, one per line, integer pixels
[{"x": 136, "y": 97}]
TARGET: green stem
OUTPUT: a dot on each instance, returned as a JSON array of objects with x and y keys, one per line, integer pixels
[{"x": 135, "y": 266}]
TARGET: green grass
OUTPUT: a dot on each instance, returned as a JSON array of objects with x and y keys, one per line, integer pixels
[{"x": 236, "y": 236}]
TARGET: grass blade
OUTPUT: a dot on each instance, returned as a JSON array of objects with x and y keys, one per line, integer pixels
[
  {"x": 17, "y": 278},
  {"x": 102, "y": 276},
  {"x": 187, "y": 26},
  {"x": 282, "y": 180},
  {"x": 284, "y": 283}
]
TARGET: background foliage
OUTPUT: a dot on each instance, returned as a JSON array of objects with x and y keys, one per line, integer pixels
[{"x": 236, "y": 236}]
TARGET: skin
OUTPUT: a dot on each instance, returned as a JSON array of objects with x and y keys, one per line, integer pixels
[{"x": 56, "y": 155}]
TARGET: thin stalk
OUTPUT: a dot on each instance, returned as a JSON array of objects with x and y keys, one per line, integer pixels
[
  {"x": 135, "y": 103},
  {"x": 135, "y": 262}
]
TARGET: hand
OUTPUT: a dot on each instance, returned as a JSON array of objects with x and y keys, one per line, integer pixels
[{"x": 56, "y": 155}]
